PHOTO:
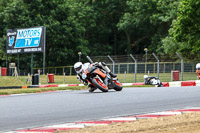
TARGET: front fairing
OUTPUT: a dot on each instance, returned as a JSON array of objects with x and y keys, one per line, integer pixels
[{"x": 92, "y": 71}]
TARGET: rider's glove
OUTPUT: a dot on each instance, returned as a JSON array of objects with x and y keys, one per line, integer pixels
[
  {"x": 103, "y": 63},
  {"x": 85, "y": 82},
  {"x": 96, "y": 64}
]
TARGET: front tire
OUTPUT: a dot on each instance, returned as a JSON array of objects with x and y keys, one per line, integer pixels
[
  {"x": 118, "y": 86},
  {"x": 161, "y": 85},
  {"x": 91, "y": 88},
  {"x": 100, "y": 85}
]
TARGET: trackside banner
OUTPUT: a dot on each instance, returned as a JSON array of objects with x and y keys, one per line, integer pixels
[{"x": 28, "y": 40}]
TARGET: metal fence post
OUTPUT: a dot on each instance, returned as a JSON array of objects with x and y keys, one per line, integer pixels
[
  {"x": 113, "y": 63},
  {"x": 31, "y": 63},
  {"x": 135, "y": 66},
  {"x": 64, "y": 78},
  {"x": 124, "y": 76},
  {"x": 70, "y": 71},
  {"x": 118, "y": 71},
  {"x": 158, "y": 64},
  {"x": 181, "y": 65},
  {"x": 18, "y": 64}
]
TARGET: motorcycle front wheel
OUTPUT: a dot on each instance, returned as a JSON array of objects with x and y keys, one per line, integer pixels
[
  {"x": 100, "y": 84},
  {"x": 161, "y": 85},
  {"x": 118, "y": 86}
]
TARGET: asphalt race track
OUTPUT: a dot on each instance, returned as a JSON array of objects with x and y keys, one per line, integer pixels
[{"x": 42, "y": 109}]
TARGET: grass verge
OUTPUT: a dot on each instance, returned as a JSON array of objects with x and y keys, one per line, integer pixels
[
  {"x": 38, "y": 90},
  {"x": 60, "y": 79}
]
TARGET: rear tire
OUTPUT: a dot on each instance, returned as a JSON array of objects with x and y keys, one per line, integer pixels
[{"x": 95, "y": 82}]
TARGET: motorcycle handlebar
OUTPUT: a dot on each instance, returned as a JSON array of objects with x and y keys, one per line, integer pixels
[{"x": 90, "y": 60}]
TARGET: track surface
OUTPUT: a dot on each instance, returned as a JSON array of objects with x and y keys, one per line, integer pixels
[{"x": 33, "y": 110}]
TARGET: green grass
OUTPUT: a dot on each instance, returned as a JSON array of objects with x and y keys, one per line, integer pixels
[
  {"x": 128, "y": 78},
  {"x": 21, "y": 80},
  {"x": 37, "y": 90},
  {"x": 164, "y": 77}
]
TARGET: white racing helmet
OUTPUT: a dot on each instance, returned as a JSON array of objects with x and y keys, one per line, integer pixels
[
  {"x": 146, "y": 76},
  {"x": 78, "y": 67},
  {"x": 198, "y": 66}
]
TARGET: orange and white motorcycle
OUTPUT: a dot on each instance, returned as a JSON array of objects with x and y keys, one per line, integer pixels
[{"x": 102, "y": 80}]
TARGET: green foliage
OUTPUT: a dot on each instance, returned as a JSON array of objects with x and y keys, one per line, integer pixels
[
  {"x": 185, "y": 30},
  {"x": 102, "y": 27},
  {"x": 146, "y": 22},
  {"x": 64, "y": 31}
]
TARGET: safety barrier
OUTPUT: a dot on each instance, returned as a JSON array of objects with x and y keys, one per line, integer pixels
[
  {"x": 197, "y": 82},
  {"x": 174, "y": 84},
  {"x": 188, "y": 83},
  {"x": 165, "y": 84},
  {"x": 53, "y": 85},
  {"x": 43, "y": 86},
  {"x": 138, "y": 84}
]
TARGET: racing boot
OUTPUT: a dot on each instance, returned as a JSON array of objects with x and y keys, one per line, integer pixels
[
  {"x": 91, "y": 88},
  {"x": 108, "y": 70},
  {"x": 113, "y": 75}
]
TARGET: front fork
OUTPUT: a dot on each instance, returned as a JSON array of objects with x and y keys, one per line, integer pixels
[{"x": 109, "y": 81}]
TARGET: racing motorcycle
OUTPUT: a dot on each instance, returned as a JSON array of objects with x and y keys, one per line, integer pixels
[
  {"x": 98, "y": 78},
  {"x": 152, "y": 81}
]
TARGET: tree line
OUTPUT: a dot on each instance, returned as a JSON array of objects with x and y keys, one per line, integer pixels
[{"x": 104, "y": 27}]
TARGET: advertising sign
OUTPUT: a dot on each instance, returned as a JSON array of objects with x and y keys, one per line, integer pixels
[{"x": 28, "y": 40}]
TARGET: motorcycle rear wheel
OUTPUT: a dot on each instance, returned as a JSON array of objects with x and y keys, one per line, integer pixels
[{"x": 100, "y": 85}]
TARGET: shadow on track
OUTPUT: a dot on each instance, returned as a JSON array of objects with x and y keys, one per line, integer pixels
[{"x": 98, "y": 92}]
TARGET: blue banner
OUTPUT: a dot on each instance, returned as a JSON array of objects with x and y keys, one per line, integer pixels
[{"x": 27, "y": 40}]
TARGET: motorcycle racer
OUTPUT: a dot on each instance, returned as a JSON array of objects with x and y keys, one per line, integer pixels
[
  {"x": 80, "y": 70},
  {"x": 198, "y": 70},
  {"x": 147, "y": 79},
  {"x": 152, "y": 81}
]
